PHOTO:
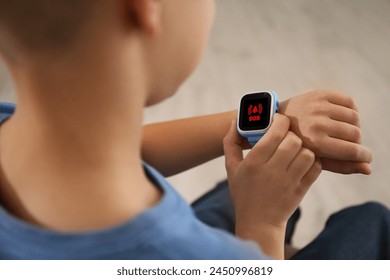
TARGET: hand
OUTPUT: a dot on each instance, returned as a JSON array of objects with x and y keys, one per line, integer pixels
[
  {"x": 329, "y": 125},
  {"x": 268, "y": 185}
]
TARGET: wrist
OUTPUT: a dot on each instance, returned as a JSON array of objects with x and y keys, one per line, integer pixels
[
  {"x": 283, "y": 106},
  {"x": 268, "y": 236}
]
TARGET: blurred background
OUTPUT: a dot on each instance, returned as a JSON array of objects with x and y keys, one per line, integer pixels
[{"x": 292, "y": 47}]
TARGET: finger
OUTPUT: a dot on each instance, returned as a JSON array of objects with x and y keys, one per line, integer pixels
[
  {"x": 232, "y": 148},
  {"x": 302, "y": 163},
  {"x": 314, "y": 172},
  {"x": 266, "y": 147},
  {"x": 344, "y": 131},
  {"x": 344, "y": 150},
  {"x": 287, "y": 151},
  {"x": 346, "y": 167},
  {"x": 342, "y": 100},
  {"x": 344, "y": 114}
]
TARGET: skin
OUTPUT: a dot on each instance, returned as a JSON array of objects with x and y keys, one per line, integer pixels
[
  {"x": 327, "y": 122},
  {"x": 269, "y": 183},
  {"x": 82, "y": 160}
]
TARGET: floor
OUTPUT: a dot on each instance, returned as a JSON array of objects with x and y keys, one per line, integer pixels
[{"x": 292, "y": 47}]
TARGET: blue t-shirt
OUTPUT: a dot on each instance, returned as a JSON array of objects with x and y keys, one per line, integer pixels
[{"x": 169, "y": 230}]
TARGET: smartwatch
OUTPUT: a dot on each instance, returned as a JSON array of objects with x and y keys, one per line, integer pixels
[{"x": 255, "y": 114}]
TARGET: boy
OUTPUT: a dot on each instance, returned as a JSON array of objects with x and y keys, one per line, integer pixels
[{"x": 73, "y": 181}]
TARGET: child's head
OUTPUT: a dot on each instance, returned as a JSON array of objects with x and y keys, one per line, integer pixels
[{"x": 169, "y": 35}]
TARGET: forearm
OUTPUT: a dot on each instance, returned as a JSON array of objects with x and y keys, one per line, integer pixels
[{"x": 175, "y": 146}]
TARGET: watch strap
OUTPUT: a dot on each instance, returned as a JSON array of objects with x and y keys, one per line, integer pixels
[{"x": 254, "y": 139}]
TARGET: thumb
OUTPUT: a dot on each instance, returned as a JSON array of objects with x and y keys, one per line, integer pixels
[{"x": 232, "y": 148}]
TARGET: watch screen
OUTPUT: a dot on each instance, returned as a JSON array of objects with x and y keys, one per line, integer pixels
[{"x": 255, "y": 111}]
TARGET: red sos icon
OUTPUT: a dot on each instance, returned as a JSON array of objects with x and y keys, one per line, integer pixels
[{"x": 254, "y": 112}]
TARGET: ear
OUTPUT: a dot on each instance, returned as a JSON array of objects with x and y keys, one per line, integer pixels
[{"x": 146, "y": 15}]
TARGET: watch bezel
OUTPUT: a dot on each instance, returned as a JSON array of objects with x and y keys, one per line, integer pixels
[{"x": 247, "y": 133}]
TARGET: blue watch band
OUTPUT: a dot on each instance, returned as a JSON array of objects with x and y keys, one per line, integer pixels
[{"x": 254, "y": 139}]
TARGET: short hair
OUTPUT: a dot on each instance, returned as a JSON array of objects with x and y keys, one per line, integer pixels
[{"x": 43, "y": 24}]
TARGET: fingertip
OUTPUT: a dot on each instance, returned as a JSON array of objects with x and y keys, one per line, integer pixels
[
  {"x": 280, "y": 124},
  {"x": 371, "y": 157},
  {"x": 367, "y": 155},
  {"x": 281, "y": 117},
  {"x": 232, "y": 132},
  {"x": 232, "y": 145},
  {"x": 366, "y": 169},
  {"x": 233, "y": 123}
]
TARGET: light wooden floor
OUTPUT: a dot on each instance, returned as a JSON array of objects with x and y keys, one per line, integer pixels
[{"x": 293, "y": 46}]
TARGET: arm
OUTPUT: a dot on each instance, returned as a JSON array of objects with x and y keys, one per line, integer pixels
[
  {"x": 327, "y": 122},
  {"x": 176, "y": 146}
]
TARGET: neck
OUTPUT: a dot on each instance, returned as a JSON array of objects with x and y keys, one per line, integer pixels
[{"x": 73, "y": 144}]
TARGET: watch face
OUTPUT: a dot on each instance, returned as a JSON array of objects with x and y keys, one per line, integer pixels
[{"x": 255, "y": 111}]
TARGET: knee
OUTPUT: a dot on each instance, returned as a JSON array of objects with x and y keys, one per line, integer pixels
[
  {"x": 370, "y": 213},
  {"x": 373, "y": 210}
]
